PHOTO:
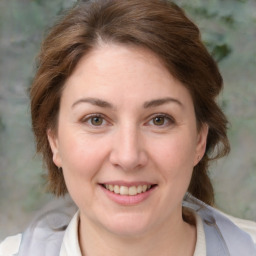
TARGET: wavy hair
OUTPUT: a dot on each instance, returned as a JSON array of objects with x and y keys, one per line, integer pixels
[{"x": 157, "y": 25}]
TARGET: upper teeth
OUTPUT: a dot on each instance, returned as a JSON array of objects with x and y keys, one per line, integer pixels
[{"x": 131, "y": 191}]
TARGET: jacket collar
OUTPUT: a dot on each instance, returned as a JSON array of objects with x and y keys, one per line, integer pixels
[{"x": 223, "y": 237}]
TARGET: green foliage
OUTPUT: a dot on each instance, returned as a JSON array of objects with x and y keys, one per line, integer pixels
[
  {"x": 218, "y": 51},
  {"x": 2, "y": 126},
  {"x": 40, "y": 2},
  {"x": 218, "y": 21},
  {"x": 228, "y": 19}
]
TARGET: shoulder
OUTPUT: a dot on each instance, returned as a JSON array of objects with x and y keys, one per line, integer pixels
[
  {"x": 235, "y": 235},
  {"x": 10, "y": 245},
  {"x": 44, "y": 234},
  {"x": 246, "y": 225}
]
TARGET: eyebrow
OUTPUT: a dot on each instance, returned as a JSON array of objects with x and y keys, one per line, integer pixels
[
  {"x": 147, "y": 104},
  {"x": 93, "y": 101},
  {"x": 159, "y": 102}
]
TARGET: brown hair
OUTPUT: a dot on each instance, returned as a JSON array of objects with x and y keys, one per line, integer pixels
[{"x": 158, "y": 25}]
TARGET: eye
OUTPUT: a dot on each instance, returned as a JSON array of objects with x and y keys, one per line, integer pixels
[
  {"x": 161, "y": 120},
  {"x": 94, "y": 120}
]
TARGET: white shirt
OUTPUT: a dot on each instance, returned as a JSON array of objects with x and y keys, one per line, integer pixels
[{"x": 70, "y": 244}]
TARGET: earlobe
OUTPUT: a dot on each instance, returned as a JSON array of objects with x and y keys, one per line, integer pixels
[
  {"x": 53, "y": 141},
  {"x": 201, "y": 143}
]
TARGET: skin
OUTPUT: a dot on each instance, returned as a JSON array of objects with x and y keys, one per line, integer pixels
[{"x": 128, "y": 143}]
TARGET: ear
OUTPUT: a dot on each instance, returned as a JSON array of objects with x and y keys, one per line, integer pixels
[
  {"x": 201, "y": 143},
  {"x": 54, "y": 144}
]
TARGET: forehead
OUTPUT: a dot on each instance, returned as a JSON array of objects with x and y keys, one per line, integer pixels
[
  {"x": 113, "y": 58},
  {"x": 127, "y": 72}
]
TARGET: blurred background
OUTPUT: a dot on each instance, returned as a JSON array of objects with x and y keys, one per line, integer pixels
[{"x": 229, "y": 32}]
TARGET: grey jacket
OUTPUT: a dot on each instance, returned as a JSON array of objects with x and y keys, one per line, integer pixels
[{"x": 223, "y": 238}]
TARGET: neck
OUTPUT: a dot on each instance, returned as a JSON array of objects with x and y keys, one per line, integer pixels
[{"x": 172, "y": 238}]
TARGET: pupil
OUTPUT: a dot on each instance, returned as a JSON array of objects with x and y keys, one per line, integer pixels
[
  {"x": 159, "y": 120},
  {"x": 97, "y": 121}
]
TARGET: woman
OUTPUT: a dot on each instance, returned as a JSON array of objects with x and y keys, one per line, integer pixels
[{"x": 124, "y": 113}]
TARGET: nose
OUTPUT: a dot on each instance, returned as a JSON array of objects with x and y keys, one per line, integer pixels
[{"x": 128, "y": 150}]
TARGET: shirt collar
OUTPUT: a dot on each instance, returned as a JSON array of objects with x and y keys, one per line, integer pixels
[{"x": 70, "y": 245}]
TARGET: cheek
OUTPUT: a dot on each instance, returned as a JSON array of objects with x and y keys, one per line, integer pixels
[
  {"x": 81, "y": 156},
  {"x": 177, "y": 150},
  {"x": 82, "y": 160},
  {"x": 175, "y": 157}
]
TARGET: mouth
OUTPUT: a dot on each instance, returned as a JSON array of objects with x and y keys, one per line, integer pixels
[{"x": 128, "y": 190}]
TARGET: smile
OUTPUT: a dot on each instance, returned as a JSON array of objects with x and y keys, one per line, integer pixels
[{"x": 127, "y": 191}]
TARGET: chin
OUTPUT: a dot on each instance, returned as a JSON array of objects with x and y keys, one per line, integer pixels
[{"x": 128, "y": 226}]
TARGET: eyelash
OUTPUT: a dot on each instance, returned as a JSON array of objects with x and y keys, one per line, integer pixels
[
  {"x": 168, "y": 120},
  {"x": 89, "y": 118}
]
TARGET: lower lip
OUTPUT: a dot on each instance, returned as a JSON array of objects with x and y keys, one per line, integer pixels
[{"x": 128, "y": 200}]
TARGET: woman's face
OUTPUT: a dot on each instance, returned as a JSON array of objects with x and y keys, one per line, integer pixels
[{"x": 126, "y": 124}]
